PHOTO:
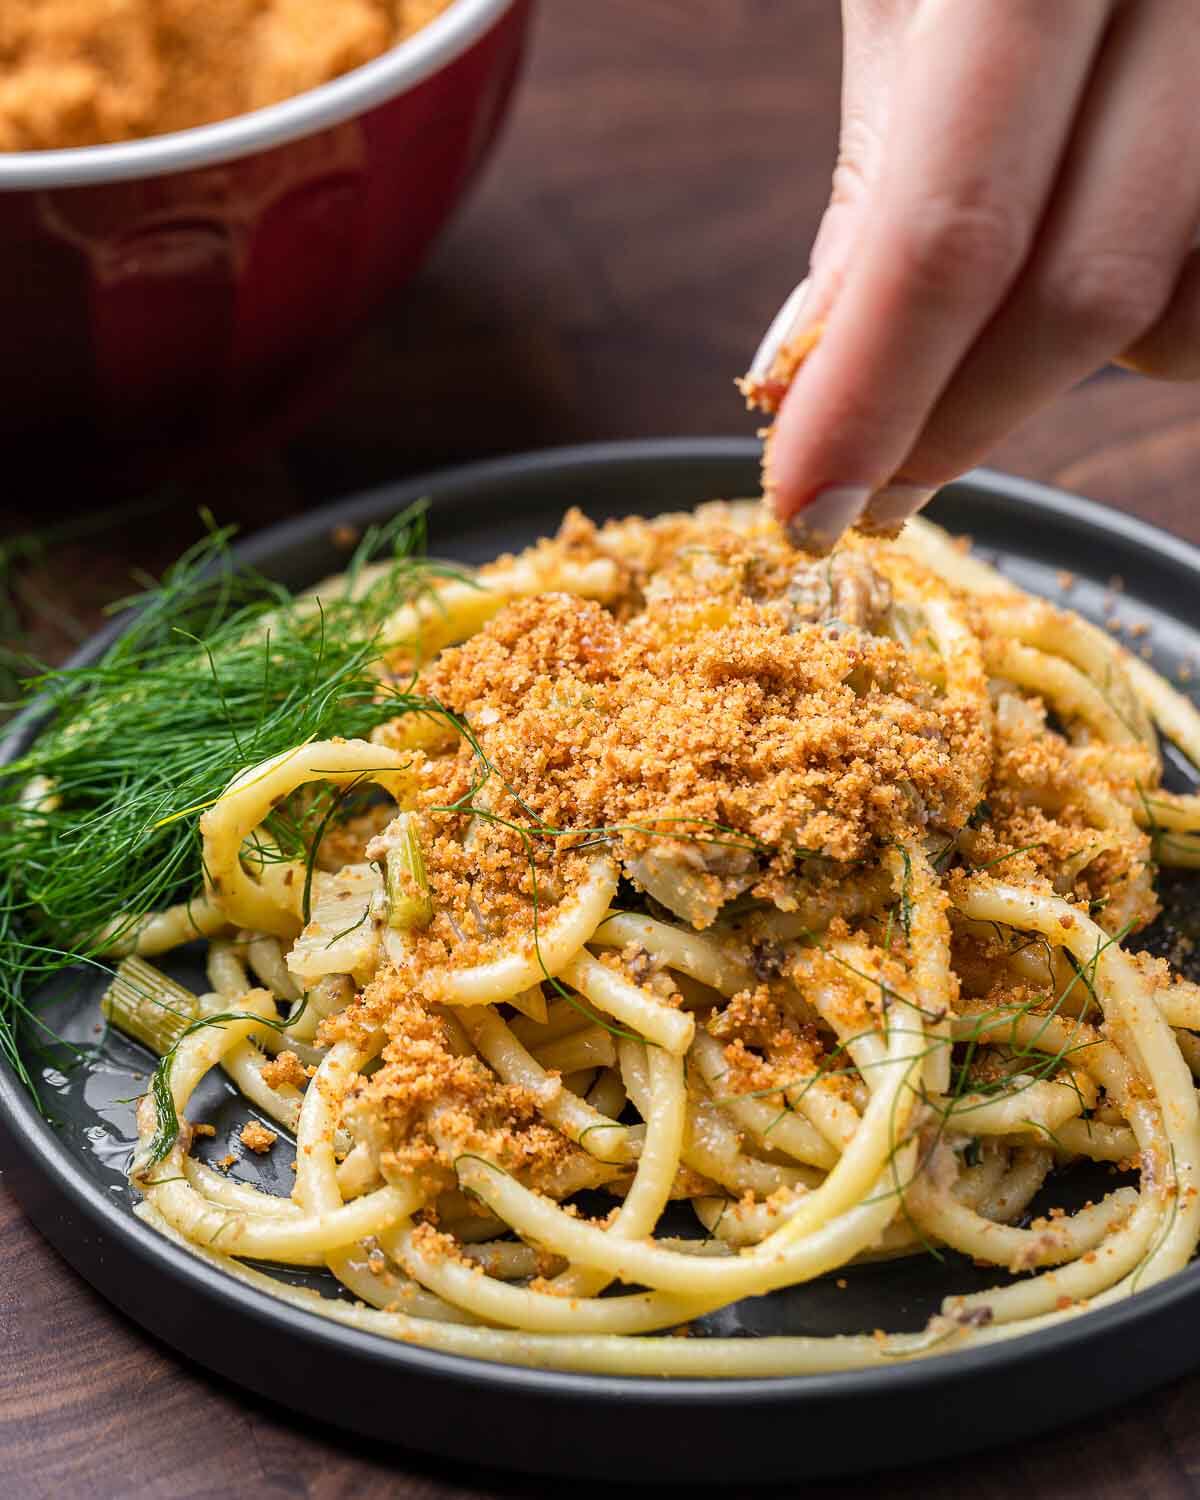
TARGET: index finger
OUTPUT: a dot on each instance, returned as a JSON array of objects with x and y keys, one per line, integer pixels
[{"x": 982, "y": 115}]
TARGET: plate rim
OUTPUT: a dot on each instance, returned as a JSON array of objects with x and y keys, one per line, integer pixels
[{"x": 32, "y": 1135}]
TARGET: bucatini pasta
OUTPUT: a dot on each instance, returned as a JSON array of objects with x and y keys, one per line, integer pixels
[{"x": 798, "y": 890}]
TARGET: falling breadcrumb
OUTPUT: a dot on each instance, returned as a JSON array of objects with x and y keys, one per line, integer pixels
[
  {"x": 258, "y": 1137},
  {"x": 284, "y": 1069}
]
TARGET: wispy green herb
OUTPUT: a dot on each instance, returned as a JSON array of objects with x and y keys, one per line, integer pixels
[{"x": 219, "y": 667}]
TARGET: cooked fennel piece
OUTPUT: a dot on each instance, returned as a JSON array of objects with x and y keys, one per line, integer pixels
[
  {"x": 150, "y": 1006},
  {"x": 409, "y": 902}
]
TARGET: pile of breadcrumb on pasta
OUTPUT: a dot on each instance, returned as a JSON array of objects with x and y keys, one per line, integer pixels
[
  {"x": 726, "y": 720},
  {"x": 700, "y": 917}
]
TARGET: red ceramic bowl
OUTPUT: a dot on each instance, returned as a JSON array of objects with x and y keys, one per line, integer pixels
[{"x": 177, "y": 296}]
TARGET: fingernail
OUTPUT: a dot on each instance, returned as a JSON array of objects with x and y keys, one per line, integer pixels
[
  {"x": 821, "y": 523},
  {"x": 896, "y": 502},
  {"x": 783, "y": 325}
]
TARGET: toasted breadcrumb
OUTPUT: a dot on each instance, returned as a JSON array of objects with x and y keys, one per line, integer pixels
[
  {"x": 427, "y": 1105},
  {"x": 257, "y": 1137},
  {"x": 734, "y": 720},
  {"x": 286, "y": 1068},
  {"x": 85, "y": 72},
  {"x": 717, "y": 705},
  {"x": 767, "y": 393}
]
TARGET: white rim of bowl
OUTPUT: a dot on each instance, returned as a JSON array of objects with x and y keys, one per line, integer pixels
[{"x": 385, "y": 77}]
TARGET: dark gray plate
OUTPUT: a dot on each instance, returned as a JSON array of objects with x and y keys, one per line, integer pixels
[{"x": 69, "y": 1172}]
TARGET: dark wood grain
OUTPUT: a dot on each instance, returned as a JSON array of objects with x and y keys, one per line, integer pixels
[{"x": 650, "y": 206}]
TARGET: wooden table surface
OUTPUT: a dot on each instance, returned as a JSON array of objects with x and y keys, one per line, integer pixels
[{"x": 650, "y": 205}]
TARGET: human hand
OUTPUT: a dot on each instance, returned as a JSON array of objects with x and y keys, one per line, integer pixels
[{"x": 1016, "y": 203}]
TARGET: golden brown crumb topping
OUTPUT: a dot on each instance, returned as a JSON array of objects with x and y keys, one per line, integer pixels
[
  {"x": 257, "y": 1137},
  {"x": 767, "y": 394},
  {"x": 708, "y": 716},
  {"x": 284, "y": 1069},
  {"x": 764, "y": 1046},
  {"x": 429, "y": 1104},
  {"x": 737, "y": 719}
]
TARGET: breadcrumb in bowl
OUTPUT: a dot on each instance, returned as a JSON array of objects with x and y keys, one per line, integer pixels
[
  {"x": 90, "y": 72},
  {"x": 204, "y": 278}
]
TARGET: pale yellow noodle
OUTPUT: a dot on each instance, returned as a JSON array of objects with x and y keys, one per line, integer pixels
[
  {"x": 821, "y": 1172},
  {"x": 250, "y": 797},
  {"x": 631, "y": 1005},
  {"x": 560, "y": 937}
]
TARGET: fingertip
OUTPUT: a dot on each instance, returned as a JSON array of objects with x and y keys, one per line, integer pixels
[
  {"x": 793, "y": 474},
  {"x": 819, "y": 525},
  {"x": 894, "y": 504}
]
